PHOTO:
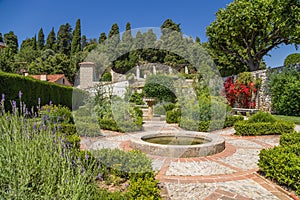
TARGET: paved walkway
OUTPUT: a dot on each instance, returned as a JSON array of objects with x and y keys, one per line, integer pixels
[{"x": 231, "y": 174}]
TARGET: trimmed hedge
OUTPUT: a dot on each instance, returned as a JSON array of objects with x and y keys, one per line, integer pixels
[
  {"x": 124, "y": 126},
  {"x": 263, "y": 128},
  {"x": 290, "y": 139},
  {"x": 205, "y": 126},
  {"x": 32, "y": 89},
  {"x": 282, "y": 164}
]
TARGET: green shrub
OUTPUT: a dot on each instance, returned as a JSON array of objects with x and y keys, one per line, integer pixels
[
  {"x": 137, "y": 98},
  {"x": 68, "y": 129},
  {"x": 109, "y": 124},
  {"x": 189, "y": 124},
  {"x": 88, "y": 129},
  {"x": 57, "y": 114},
  {"x": 32, "y": 89},
  {"x": 173, "y": 116},
  {"x": 144, "y": 188},
  {"x": 169, "y": 106},
  {"x": 261, "y": 117},
  {"x": 288, "y": 139},
  {"x": 284, "y": 88},
  {"x": 106, "y": 77},
  {"x": 231, "y": 120},
  {"x": 263, "y": 128},
  {"x": 282, "y": 164}
]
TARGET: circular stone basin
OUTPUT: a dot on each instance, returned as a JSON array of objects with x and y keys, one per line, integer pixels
[
  {"x": 175, "y": 140},
  {"x": 181, "y": 145}
]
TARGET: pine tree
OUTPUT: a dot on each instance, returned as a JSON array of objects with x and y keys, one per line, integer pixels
[
  {"x": 197, "y": 40},
  {"x": 64, "y": 39},
  {"x": 102, "y": 38},
  {"x": 1, "y": 38},
  {"x": 41, "y": 40},
  {"x": 11, "y": 41},
  {"x": 169, "y": 25},
  {"x": 51, "y": 40},
  {"x": 76, "y": 39}
]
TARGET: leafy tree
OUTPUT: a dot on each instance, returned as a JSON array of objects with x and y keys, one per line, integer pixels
[
  {"x": 64, "y": 39},
  {"x": 51, "y": 40},
  {"x": 41, "y": 40},
  {"x": 11, "y": 41},
  {"x": 7, "y": 60},
  {"x": 160, "y": 87},
  {"x": 28, "y": 51},
  {"x": 292, "y": 59},
  {"x": 197, "y": 40},
  {"x": 76, "y": 39},
  {"x": 102, "y": 38},
  {"x": 249, "y": 29}
]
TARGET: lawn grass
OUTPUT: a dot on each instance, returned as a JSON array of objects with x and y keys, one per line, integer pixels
[{"x": 294, "y": 119}]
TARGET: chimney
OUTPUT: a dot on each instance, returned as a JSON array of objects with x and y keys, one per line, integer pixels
[
  {"x": 44, "y": 77},
  {"x": 86, "y": 75}
]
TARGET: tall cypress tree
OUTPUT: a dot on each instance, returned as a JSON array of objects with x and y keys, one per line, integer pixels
[
  {"x": 76, "y": 38},
  {"x": 197, "y": 40},
  {"x": 102, "y": 38},
  {"x": 127, "y": 36},
  {"x": 1, "y": 38},
  {"x": 51, "y": 40},
  {"x": 169, "y": 25},
  {"x": 83, "y": 42},
  {"x": 41, "y": 40},
  {"x": 11, "y": 41},
  {"x": 34, "y": 45},
  {"x": 64, "y": 39},
  {"x": 114, "y": 30}
]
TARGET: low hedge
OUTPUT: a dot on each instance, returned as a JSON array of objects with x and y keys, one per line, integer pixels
[
  {"x": 204, "y": 126},
  {"x": 263, "y": 128},
  {"x": 122, "y": 126},
  {"x": 290, "y": 139},
  {"x": 88, "y": 129},
  {"x": 282, "y": 164}
]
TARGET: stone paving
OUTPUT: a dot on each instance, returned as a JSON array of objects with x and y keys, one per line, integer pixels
[{"x": 231, "y": 174}]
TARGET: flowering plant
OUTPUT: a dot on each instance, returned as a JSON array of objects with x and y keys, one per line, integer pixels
[{"x": 239, "y": 93}]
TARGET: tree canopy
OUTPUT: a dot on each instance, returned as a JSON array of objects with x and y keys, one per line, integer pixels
[{"x": 248, "y": 30}]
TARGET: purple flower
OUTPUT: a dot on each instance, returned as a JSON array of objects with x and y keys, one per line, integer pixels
[
  {"x": 20, "y": 94},
  {"x": 14, "y": 104},
  {"x": 86, "y": 156},
  {"x": 54, "y": 131},
  {"x": 34, "y": 126},
  {"x": 3, "y": 97},
  {"x": 66, "y": 180},
  {"x": 50, "y": 103},
  {"x": 39, "y": 101}
]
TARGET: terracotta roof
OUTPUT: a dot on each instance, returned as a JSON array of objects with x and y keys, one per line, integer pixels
[{"x": 53, "y": 78}]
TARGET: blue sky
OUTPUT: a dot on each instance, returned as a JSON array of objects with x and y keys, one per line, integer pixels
[{"x": 25, "y": 18}]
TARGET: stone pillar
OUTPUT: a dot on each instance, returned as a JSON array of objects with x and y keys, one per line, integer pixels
[
  {"x": 186, "y": 70},
  {"x": 138, "y": 73},
  {"x": 154, "y": 70},
  {"x": 86, "y": 75},
  {"x": 170, "y": 70}
]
